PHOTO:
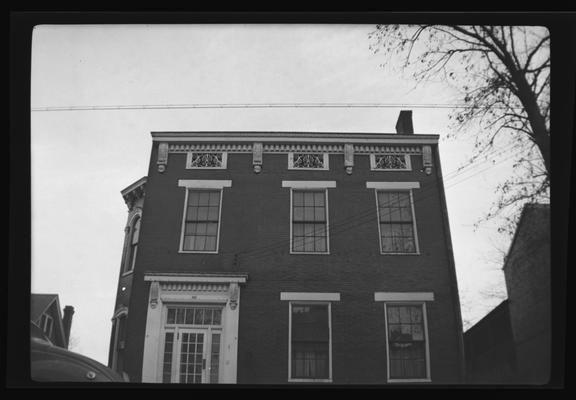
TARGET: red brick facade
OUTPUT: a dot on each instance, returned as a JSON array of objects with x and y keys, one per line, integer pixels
[{"x": 254, "y": 241}]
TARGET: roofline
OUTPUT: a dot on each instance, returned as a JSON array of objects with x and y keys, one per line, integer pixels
[
  {"x": 261, "y": 136},
  {"x": 134, "y": 185}
]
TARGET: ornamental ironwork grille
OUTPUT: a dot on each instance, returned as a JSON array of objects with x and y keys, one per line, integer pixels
[
  {"x": 206, "y": 160},
  {"x": 308, "y": 160},
  {"x": 391, "y": 161}
]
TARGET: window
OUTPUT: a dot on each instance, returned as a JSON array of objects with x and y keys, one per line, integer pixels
[
  {"x": 306, "y": 161},
  {"x": 390, "y": 162},
  {"x": 396, "y": 222},
  {"x": 201, "y": 224},
  {"x": 309, "y": 221},
  {"x": 46, "y": 323},
  {"x": 134, "y": 235},
  {"x": 407, "y": 341},
  {"x": 204, "y": 160},
  {"x": 310, "y": 341}
]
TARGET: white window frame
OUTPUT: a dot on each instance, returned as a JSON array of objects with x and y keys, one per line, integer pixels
[
  {"x": 325, "y": 162},
  {"x": 407, "y": 158},
  {"x": 189, "y": 184},
  {"x": 325, "y": 189},
  {"x": 396, "y": 187},
  {"x": 310, "y": 302},
  {"x": 189, "y": 159},
  {"x": 47, "y": 319},
  {"x": 128, "y": 267},
  {"x": 427, "y": 345}
]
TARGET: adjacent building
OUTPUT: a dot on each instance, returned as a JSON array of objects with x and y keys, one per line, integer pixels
[
  {"x": 512, "y": 344},
  {"x": 289, "y": 257},
  {"x": 45, "y": 313}
]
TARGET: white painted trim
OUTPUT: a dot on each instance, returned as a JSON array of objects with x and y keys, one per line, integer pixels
[
  {"x": 189, "y": 159},
  {"x": 392, "y": 185},
  {"x": 427, "y": 345},
  {"x": 195, "y": 278},
  {"x": 301, "y": 296},
  {"x": 326, "y": 139},
  {"x": 329, "y": 304},
  {"x": 204, "y": 183},
  {"x": 309, "y": 184},
  {"x": 407, "y": 159},
  {"x": 325, "y": 162},
  {"x": 183, "y": 227},
  {"x": 414, "y": 228},
  {"x": 327, "y": 252},
  {"x": 404, "y": 296}
]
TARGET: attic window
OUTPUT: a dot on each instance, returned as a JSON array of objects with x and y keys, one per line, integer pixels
[
  {"x": 46, "y": 323},
  {"x": 390, "y": 162},
  {"x": 205, "y": 160},
  {"x": 308, "y": 161}
]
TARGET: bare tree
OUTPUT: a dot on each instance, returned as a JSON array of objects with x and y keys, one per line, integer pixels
[{"x": 503, "y": 76}]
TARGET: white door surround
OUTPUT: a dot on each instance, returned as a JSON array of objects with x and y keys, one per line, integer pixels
[{"x": 179, "y": 289}]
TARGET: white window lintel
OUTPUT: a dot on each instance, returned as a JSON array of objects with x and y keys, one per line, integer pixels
[
  {"x": 204, "y": 184},
  {"x": 309, "y": 184},
  {"x": 403, "y": 296},
  {"x": 300, "y": 296},
  {"x": 393, "y": 185}
]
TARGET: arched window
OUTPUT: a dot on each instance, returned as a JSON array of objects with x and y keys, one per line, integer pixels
[{"x": 133, "y": 245}]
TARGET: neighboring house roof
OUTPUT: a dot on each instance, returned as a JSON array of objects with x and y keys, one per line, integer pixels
[{"x": 39, "y": 303}]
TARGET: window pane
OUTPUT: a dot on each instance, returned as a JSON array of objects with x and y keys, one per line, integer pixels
[
  {"x": 393, "y": 315},
  {"x": 319, "y": 214},
  {"x": 167, "y": 362},
  {"x": 298, "y": 214},
  {"x": 201, "y": 229},
  {"x": 202, "y": 213},
  {"x": 216, "y": 318},
  {"x": 179, "y": 316},
  {"x": 212, "y": 228},
  {"x": 189, "y": 320},
  {"x": 198, "y": 316},
  {"x": 309, "y": 214},
  {"x": 298, "y": 229},
  {"x": 210, "y": 243},
  {"x": 309, "y": 229},
  {"x": 308, "y": 243},
  {"x": 309, "y": 199},
  {"x": 310, "y": 360},
  {"x": 214, "y": 199},
  {"x": 394, "y": 214},
  {"x": 320, "y": 244},
  {"x": 213, "y": 213},
  {"x": 406, "y": 214},
  {"x": 189, "y": 242},
  {"x": 310, "y": 323},
  {"x": 383, "y": 199},
  {"x": 298, "y": 244},
  {"x": 200, "y": 243},
  {"x": 416, "y": 313},
  {"x": 404, "y": 200},
  {"x": 319, "y": 199},
  {"x": 204, "y": 198},
  {"x": 192, "y": 214},
  {"x": 298, "y": 198},
  {"x": 171, "y": 317},
  {"x": 417, "y": 332},
  {"x": 190, "y": 229},
  {"x": 405, "y": 315},
  {"x": 193, "y": 198}
]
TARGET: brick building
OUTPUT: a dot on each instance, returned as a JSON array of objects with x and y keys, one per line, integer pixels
[
  {"x": 515, "y": 338},
  {"x": 277, "y": 257}
]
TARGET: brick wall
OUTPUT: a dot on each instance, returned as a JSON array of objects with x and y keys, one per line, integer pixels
[{"x": 256, "y": 214}]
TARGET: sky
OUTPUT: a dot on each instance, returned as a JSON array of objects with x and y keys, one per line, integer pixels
[{"x": 82, "y": 159}]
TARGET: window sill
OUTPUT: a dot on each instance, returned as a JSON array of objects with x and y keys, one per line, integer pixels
[
  {"x": 391, "y": 170},
  {"x": 400, "y": 254},
  {"x": 196, "y": 252},
  {"x": 425, "y": 380},
  {"x": 303, "y": 380},
  {"x": 316, "y": 253}
]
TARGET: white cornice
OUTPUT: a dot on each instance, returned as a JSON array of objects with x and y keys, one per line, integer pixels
[
  {"x": 403, "y": 296},
  {"x": 195, "y": 278},
  {"x": 294, "y": 137}
]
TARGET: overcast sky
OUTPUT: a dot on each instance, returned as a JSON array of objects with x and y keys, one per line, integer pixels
[{"x": 82, "y": 159}]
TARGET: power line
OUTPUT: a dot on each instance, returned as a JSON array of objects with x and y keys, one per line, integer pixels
[{"x": 250, "y": 105}]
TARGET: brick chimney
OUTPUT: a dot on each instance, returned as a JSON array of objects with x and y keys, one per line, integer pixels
[
  {"x": 404, "y": 124},
  {"x": 67, "y": 322}
]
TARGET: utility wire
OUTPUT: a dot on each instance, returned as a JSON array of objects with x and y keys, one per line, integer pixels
[{"x": 245, "y": 106}]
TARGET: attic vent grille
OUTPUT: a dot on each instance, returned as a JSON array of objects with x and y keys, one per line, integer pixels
[
  {"x": 198, "y": 160},
  {"x": 391, "y": 162}
]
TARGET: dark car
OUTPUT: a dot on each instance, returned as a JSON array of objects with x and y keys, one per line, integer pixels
[{"x": 49, "y": 363}]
